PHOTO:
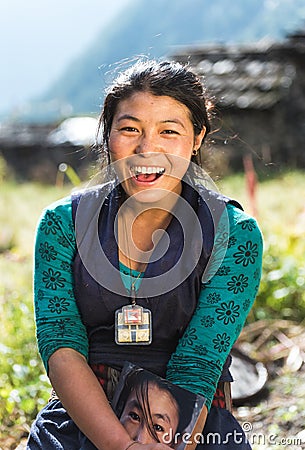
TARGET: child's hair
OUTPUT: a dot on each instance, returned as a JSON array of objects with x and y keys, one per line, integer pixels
[{"x": 139, "y": 381}]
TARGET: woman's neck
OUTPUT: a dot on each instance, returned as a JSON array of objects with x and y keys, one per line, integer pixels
[{"x": 138, "y": 234}]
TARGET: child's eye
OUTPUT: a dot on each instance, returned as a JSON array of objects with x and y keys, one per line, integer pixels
[{"x": 134, "y": 416}]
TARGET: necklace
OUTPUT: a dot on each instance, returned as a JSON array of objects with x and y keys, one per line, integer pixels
[
  {"x": 133, "y": 323},
  {"x": 130, "y": 281},
  {"x": 133, "y": 291}
]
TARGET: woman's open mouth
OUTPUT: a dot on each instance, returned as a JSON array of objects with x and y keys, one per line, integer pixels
[{"x": 146, "y": 174}]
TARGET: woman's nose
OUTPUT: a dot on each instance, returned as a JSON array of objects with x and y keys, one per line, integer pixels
[{"x": 147, "y": 144}]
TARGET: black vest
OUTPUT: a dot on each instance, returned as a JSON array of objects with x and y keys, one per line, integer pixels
[{"x": 172, "y": 310}]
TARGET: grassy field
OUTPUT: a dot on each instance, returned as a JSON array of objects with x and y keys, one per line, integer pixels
[
  {"x": 24, "y": 387},
  {"x": 281, "y": 215}
]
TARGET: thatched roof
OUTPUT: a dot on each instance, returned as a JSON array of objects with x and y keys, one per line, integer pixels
[{"x": 246, "y": 76}]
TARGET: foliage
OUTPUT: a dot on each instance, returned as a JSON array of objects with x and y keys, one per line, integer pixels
[
  {"x": 24, "y": 387},
  {"x": 281, "y": 216},
  {"x": 282, "y": 287}
]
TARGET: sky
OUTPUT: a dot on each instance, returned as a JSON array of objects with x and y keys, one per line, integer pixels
[{"x": 39, "y": 38}]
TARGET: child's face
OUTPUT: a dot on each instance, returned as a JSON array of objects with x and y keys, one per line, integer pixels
[{"x": 164, "y": 415}]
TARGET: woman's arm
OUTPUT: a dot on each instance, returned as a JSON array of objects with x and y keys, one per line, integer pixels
[
  {"x": 58, "y": 321},
  {"x": 224, "y": 303},
  {"x": 62, "y": 338},
  {"x": 85, "y": 401}
]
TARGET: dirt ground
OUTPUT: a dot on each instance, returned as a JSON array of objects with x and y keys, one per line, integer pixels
[{"x": 275, "y": 419}]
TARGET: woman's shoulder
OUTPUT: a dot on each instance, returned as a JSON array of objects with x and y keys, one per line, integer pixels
[
  {"x": 62, "y": 205},
  {"x": 94, "y": 195},
  {"x": 57, "y": 214},
  {"x": 243, "y": 225},
  {"x": 55, "y": 225},
  {"x": 237, "y": 215}
]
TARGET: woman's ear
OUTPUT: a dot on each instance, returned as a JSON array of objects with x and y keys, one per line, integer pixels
[{"x": 199, "y": 138}]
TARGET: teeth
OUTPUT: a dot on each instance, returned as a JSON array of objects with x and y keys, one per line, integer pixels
[{"x": 147, "y": 170}]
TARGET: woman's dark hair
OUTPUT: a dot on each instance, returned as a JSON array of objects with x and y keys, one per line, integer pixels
[
  {"x": 167, "y": 78},
  {"x": 138, "y": 380}
]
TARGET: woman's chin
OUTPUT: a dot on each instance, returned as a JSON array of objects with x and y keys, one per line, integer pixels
[
  {"x": 152, "y": 193},
  {"x": 153, "y": 196}
]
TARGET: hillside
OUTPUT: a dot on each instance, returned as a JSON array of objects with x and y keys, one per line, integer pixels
[{"x": 152, "y": 28}]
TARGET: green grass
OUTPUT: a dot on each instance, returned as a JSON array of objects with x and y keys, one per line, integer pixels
[
  {"x": 281, "y": 216},
  {"x": 24, "y": 387},
  {"x": 280, "y": 200}
]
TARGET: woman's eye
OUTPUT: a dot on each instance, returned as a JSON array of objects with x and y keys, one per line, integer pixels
[
  {"x": 129, "y": 129},
  {"x": 170, "y": 132},
  {"x": 158, "y": 428}
]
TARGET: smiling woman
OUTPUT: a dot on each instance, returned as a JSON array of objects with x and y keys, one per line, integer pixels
[
  {"x": 152, "y": 266},
  {"x": 158, "y": 141}
]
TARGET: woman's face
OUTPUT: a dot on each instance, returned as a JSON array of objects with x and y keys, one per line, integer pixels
[
  {"x": 151, "y": 141},
  {"x": 164, "y": 416}
]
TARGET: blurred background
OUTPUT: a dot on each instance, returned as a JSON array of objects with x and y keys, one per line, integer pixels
[{"x": 57, "y": 58}]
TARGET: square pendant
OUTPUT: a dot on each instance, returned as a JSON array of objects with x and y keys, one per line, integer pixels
[{"x": 133, "y": 325}]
